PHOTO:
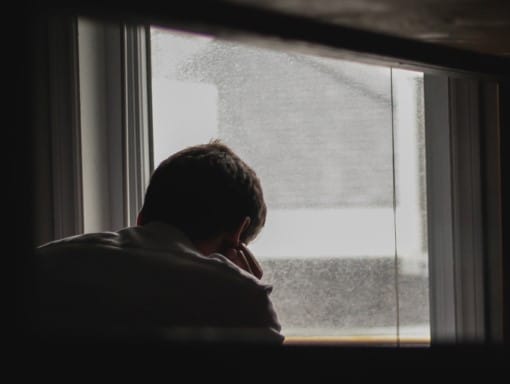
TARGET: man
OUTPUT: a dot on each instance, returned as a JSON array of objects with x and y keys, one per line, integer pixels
[{"x": 183, "y": 273}]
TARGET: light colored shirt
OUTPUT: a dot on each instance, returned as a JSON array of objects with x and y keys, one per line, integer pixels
[{"x": 149, "y": 280}]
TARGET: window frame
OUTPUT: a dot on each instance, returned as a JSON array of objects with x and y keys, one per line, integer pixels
[
  {"x": 115, "y": 122},
  {"x": 465, "y": 257},
  {"x": 137, "y": 97}
]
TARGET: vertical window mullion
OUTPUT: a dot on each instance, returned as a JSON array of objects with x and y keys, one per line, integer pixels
[
  {"x": 136, "y": 102},
  {"x": 393, "y": 166},
  {"x": 467, "y": 209},
  {"x": 440, "y": 217}
]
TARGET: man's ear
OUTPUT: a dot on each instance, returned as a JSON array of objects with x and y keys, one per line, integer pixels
[
  {"x": 237, "y": 235},
  {"x": 139, "y": 218}
]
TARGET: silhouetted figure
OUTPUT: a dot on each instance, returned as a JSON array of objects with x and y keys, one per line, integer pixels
[{"x": 182, "y": 274}]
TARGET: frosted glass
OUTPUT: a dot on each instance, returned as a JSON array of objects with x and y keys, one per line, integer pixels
[{"x": 319, "y": 133}]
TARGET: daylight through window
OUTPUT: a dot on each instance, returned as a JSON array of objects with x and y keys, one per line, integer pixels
[{"x": 339, "y": 148}]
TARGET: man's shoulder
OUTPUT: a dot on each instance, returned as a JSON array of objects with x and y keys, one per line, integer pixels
[
  {"x": 142, "y": 251},
  {"x": 97, "y": 239}
]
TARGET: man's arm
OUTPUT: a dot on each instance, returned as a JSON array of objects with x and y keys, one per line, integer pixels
[
  {"x": 244, "y": 259},
  {"x": 262, "y": 308}
]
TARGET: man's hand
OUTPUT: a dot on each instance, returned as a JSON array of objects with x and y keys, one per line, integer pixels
[{"x": 243, "y": 258}]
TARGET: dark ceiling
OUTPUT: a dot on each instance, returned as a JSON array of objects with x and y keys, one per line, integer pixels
[{"x": 482, "y": 26}]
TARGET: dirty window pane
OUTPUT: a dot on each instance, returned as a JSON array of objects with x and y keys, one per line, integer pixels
[
  {"x": 319, "y": 133},
  {"x": 411, "y": 205}
]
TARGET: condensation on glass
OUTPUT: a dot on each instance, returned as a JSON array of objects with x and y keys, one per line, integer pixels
[{"x": 339, "y": 148}]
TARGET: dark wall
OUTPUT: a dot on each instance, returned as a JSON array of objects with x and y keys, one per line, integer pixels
[
  {"x": 505, "y": 168},
  {"x": 27, "y": 50}
]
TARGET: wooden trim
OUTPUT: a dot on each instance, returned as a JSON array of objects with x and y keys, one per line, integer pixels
[{"x": 370, "y": 341}]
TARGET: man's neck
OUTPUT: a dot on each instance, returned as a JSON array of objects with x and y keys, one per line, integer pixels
[{"x": 207, "y": 247}]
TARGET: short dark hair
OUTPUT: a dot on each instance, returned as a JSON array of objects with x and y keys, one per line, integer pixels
[{"x": 205, "y": 190}]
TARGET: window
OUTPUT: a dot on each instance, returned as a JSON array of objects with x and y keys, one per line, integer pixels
[
  {"x": 383, "y": 184},
  {"x": 339, "y": 148}
]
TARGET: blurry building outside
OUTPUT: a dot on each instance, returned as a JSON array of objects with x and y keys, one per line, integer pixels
[{"x": 339, "y": 148}]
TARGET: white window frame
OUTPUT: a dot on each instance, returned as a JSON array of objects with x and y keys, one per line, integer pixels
[
  {"x": 138, "y": 157},
  {"x": 464, "y": 205},
  {"x": 463, "y": 172},
  {"x": 115, "y": 122}
]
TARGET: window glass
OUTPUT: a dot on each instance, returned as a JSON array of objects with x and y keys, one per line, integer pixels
[
  {"x": 411, "y": 205},
  {"x": 338, "y": 147}
]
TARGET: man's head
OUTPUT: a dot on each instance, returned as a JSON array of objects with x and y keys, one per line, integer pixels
[{"x": 206, "y": 191}]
